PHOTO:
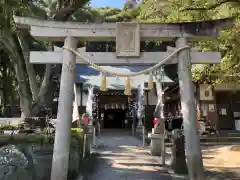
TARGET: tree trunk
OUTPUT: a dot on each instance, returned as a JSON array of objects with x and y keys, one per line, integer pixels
[
  {"x": 4, "y": 84},
  {"x": 29, "y": 67},
  {"x": 23, "y": 87},
  {"x": 37, "y": 97}
]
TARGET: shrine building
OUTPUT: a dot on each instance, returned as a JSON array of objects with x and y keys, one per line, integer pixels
[
  {"x": 113, "y": 106},
  {"x": 219, "y": 104}
]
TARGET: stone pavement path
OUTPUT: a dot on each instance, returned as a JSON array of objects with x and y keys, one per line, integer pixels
[{"x": 123, "y": 158}]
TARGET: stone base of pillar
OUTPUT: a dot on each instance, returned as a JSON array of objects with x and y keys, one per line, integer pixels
[
  {"x": 157, "y": 141},
  {"x": 133, "y": 130},
  {"x": 139, "y": 123},
  {"x": 139, "y": 128},
  {"x": 178, "y": 164},
  {"x": 90, "y": 128}
]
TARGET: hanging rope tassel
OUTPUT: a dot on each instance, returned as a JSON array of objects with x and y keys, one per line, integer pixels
[
  {"x": 150, "y": 81},
  {"x": 128, "y": 90},
  {"x": 103, "y": 86}
]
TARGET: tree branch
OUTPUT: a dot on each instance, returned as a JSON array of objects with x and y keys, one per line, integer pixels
[
  {"x": 67, "y": 8},
  {"x": 44, "y": 88},
  {"x": 46, "y": 81},
  {"x": 211, "y": 7},
  {"x": 29, "y": 67}
]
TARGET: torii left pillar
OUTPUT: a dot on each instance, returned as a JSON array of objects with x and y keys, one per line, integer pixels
[{"x": 64, "y": 116}]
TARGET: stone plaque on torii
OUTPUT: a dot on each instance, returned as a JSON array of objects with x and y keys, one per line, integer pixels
[
  {"x": 128, "y": 39},
  {"x": 71, "y": 32}
]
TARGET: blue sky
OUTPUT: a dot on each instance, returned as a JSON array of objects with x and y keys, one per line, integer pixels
[{"x": 111, "y": 3}]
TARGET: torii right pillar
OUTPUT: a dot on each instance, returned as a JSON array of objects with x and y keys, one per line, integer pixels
[
  {"x": 192, "y": 145},
  {"x": 192, "y": 141}
]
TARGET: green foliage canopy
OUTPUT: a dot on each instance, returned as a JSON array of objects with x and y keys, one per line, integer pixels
[{"x": 147, "y": 11}]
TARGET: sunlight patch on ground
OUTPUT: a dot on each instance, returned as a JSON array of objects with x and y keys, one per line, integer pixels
[
  {"x": 136, "y": 167},
  {"x": 126, "y": 157},
  {"x": 222, "y": 157},
  {"x": 118, "y": 138},
  {"x": 133, "y": 160},
  {"x": 135, "y": 149},
  {"x": 107, "y": 152}
]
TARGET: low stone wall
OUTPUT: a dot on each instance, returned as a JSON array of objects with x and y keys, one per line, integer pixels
[
  {"x": 12, "y": 121},
  {"x": 31, "y": 161}
]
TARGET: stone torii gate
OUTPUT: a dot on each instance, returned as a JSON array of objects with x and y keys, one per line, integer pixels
[{"x": 127, "y": 37}]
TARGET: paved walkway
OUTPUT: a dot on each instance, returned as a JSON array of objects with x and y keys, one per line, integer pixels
[{"x": 123, "y": 158}]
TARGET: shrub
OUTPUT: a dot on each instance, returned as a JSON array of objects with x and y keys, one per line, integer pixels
[
  {"x": 9, "y": 127},
  {"x": 37, "y": 138},
  {"x": 77, "y": 139}
]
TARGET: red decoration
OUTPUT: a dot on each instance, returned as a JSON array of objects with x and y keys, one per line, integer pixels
[
  {"x": 154, "y": 121},
  {"x": 85, "y": 120}
]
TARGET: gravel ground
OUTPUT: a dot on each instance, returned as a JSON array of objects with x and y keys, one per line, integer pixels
[{"x": 224, "y": 161}]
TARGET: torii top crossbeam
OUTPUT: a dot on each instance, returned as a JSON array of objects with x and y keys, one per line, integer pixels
[{"x": 58, "y": 31}]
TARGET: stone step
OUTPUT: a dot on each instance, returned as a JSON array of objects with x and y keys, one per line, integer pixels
[
  {"x": 231, "y": 137},
  {"x": 205, "y": 144},
  {"x": 230, "y": 133},
  {"x": 210, "y": 144},
  {"x": 220, "y": 139}
]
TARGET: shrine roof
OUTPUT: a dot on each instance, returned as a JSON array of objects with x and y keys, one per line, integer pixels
[{"x": 89, "y": 76}]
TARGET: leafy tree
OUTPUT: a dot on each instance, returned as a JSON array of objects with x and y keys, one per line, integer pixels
[
  {"x": 212, "y": 5},
  {"x": 228, "y": 43},
  {"x": 36, "y": 84},
  {"x": 188, "y": 10}
]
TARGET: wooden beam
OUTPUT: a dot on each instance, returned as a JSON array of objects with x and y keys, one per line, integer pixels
[
  {"x": 109, "y": 58},
  {"x": 58, "y": 31}
]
